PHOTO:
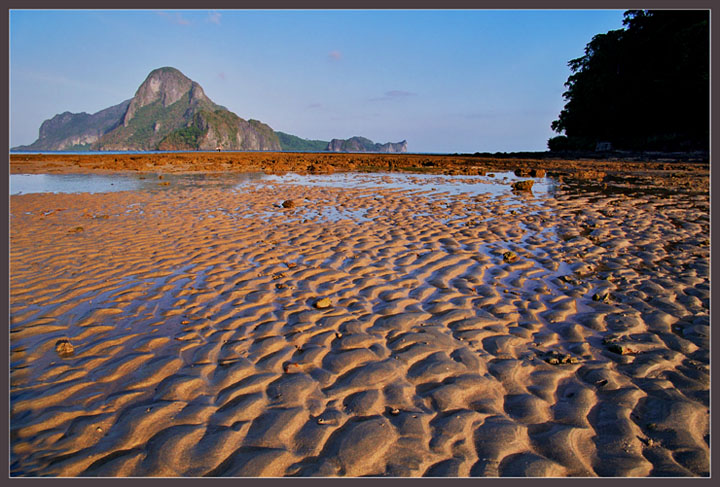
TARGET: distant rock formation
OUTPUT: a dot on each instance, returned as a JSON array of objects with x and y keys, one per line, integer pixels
[
  {"x": 68, "y": 131},
  {"x": 171, "y": 112},
  {"x": 168, "y": 112},
  {"x": 361, "y": 144}
]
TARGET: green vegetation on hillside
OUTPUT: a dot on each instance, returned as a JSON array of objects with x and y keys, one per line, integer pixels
[
  {"x": 186, "y": 138},
  {"x": 292, "y": 143},
  {"x": 645, "y": 87}
]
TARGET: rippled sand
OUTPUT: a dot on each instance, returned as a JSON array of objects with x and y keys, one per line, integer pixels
[{"x": 199, "y": 346}]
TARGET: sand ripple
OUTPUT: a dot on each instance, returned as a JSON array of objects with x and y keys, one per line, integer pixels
[{"x": 199, "y": 347}]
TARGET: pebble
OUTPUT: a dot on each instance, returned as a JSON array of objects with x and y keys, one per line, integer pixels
[
  {"x": 64, "y": 348},
  {"x": 323, "y": 303}
]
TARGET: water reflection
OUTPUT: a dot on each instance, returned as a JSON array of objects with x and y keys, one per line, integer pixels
[
  {"x": 496, "y": 185},
  {"x": 107, "y": 183},
  {"x": 104, "y": 183}
]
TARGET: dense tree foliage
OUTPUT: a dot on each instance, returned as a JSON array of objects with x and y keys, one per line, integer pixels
[{"x": 644, "y": 87}]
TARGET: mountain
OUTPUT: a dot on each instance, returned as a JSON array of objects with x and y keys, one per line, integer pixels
[
  {"x": 171, "y": 112},
  {"x": 168, "y": 112},
  {"x": 361, "y": 144},
  {"x": 292, "y": 143},
  {"x": 77, "y": 131}
]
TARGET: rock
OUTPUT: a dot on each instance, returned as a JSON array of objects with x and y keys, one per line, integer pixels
[
  {"x": 556, "y": 358},
  {"x": 594, "y": 175},
  {"x": 522, "y": 172},
  {"x": 76, "y": 230},
  {"x": 537, "y": 173},
  {"x": 323, "y": 303},
  {"x": 622, "y": 349},
  {"x": 523, "y": 185},
  {"x": 288, "y": 204},
  {"x": 601, "y": 296},
  {"x": 64, "y": 348},
  {"x": 509, "y": 256}
]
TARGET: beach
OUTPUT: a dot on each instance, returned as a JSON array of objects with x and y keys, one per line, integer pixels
[{"x": 280, "y": 327}]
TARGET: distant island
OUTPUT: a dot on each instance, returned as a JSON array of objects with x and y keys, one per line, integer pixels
[{"x": 171, "y": 112}]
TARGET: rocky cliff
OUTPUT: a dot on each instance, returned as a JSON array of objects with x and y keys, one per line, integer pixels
[
  {"x": 361, "y": 144},
  {"x": 172, "y": 112},
  {"x": 71, "y": 131},
  {"x": 168, "y": 112}
]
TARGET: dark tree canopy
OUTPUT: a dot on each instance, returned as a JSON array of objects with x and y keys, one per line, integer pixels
[{"x": 644, "y": 87}]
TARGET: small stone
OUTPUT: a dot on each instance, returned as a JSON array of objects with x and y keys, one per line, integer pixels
[
  {"x": 76, "y": 230},
  {"x": 64, "y": 348},
  {"x": 622, "y": 349},
  {"x": 323, "y": 303},
  {"x": 509, "y": 256},
  {"x": 537, "y": 173},
  {"x": 321, "y": 421},
  {"x": 523, "y": 185},
  {"x": 288, "y": 204},
  {"x": 602, "y": 296},
  {"x": 394, "y": 411}
]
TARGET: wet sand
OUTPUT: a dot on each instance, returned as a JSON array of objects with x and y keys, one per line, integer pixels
[{"x": 208, "y": 332}]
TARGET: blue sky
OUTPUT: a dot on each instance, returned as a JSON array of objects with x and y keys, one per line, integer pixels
[{"x": 445, "y": 81}]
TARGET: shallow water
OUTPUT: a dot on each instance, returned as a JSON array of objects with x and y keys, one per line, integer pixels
[
  {"x": 105, "y": 183},
  {"x": 108, "y": 183}
]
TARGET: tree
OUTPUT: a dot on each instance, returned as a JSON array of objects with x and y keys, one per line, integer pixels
[{"x": 642, "y": 87}]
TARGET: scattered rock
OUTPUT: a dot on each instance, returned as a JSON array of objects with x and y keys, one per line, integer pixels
[
  {"x": 591, "y": 175},
  {"x": 602, "y": 296},
  {"x": 64, "y": 348},
  {"x": 523, "y": 185},
  {"x": 288, "y": 204},
  {"x": 537, "y": 173},
  {"x": 509, "y": 256},
  {"x": 557, "y": 358},
  {"x": 522, "y": 172},
  {"x": 323, "y": 303},
  {"x": 76, "y": 230}
]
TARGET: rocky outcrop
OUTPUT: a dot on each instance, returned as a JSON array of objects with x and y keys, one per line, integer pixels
[
  {"x": 68, "y": 131},
  {"x": 168, "y": 112},
  {"x": 361, "y": 144},
  {"x": 172, "y": 112},
  {"x": 166, "y": 85}
]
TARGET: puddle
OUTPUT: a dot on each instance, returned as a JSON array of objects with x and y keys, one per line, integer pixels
[
  {"x": 427, "y": 183},
  {"x": 107, "y": 183}
]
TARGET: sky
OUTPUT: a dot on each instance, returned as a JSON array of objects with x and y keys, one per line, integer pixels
[{"x": 446, "y": 81}]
